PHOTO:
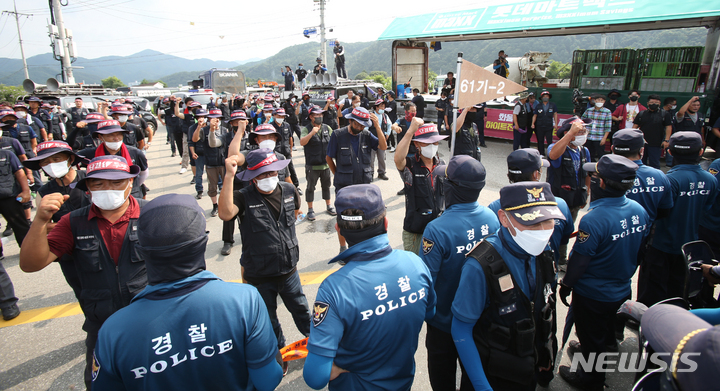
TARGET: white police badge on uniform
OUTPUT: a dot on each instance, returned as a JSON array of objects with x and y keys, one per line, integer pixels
[{"x": 320, "y": 311}]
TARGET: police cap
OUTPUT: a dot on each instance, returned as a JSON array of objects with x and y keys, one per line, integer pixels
[{"x": 530, "y": 202}]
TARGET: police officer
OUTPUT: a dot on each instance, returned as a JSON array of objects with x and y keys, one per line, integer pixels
[
  {"x": 710, "y": 223},
  {"x": 466, "y": 139},
  {"x": 285, "y": 144},
  {"x": 566, "y": 176},
  {"x": 662, "y": 273},
  {"x": 267, "y": 210},
  {"x": 77, "y": 113},
  {"x": 504, "y": 309},
  {"x": 525, "y": 165},
  {"x": 545, "y": 120},
  {"x": 58, "y": 160},
  {"x": 689, "y": 118},
  {"x": 36, "y": 111},
  {"x": 205, "y": 333},
  {"x": 111, "y": 135},
  {"x": 211, "y": 138},
  {"x": 315, "y": 141},
  {"x": 424, "y": 196},
  {"x": 367, "y": 316},
  {"x": 349, "y": 151},
  {"x": 111, "y": 272},
  {"x": 602, "y": 263},
  {"x": 446, "y": 240}
]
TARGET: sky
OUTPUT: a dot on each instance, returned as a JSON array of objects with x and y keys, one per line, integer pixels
[{"x": 224, "y": 30}]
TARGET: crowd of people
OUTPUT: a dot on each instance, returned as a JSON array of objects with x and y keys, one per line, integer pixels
[{"x": 484, "y": 278}]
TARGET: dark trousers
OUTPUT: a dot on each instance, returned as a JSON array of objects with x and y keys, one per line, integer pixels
[
  {"x": 595, "y": 149},
  {"x": 171, "y": 140},
  {"x": 543, "y": 136},
  {"x": 90, "y": 342},
  {"x": 340, "y": 65},
  {"x": 518, "y": 139},
  {"x": 442, "y": 361},
  {"x": 295, "y": 129},
  {"x": 228, "y": 231},
  {"x": 312, "y": 176},
  {"x": 293, "y": 174},
  {"x": 14, "y": 214},
  {"x": 199, "y": 170},
  {"x": 712, "y": 238},
  {"x": 651, "y": 157},
  {"x": 179, "y": 141},
  {"x": 292, "y": 295},
  {"x": 595, "y": 326},
  {"x": 7, "y": 291},
  {"x": 481, "y": 131},
  {"x": 662, "y": 276}
]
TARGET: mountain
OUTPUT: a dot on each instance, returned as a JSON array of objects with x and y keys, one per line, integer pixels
[{"x": 147, "y": 64}]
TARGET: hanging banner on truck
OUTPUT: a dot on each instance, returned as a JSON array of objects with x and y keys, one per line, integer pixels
[{"x": 499, "y": 123}]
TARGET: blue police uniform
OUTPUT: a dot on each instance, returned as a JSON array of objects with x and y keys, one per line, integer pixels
[
  {"x": 710, "y": 223},
  {"x": 651, "y": 189},
  {"x": 610, "y": 234},
  {"x": 563, "y": 228},
  {"x": 368, "y": 315},
  {"x": 174, "y": 334}
]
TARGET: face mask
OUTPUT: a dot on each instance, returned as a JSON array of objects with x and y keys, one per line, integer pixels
[
  {"x": 299, "y": 67},
  {"x": 354, "y": 130},
  {"x": 122, "y": 118},
  {"x": 21, "y": 114},
  {"x": 599, "y": 104},
  {"x": 532, "y": 241},
  {"x": 409, "y": 116},
  {"x": 546, "y": 99},
  {"x": 268, "y": 115},
  {"x": 11, "y": 122},
  {"x": 109, "y": 199},
  {"x": 429, "y": 151},
  {"x": 653, "y": 107},
  {"x": 673, "y": 107},
  {"x": 633, "y": 98},
  {"x": 57, "y": 170},
  {"x": 292, "y": 100},
  {"x": 268, "y": 184},
  {"x": 279, "y": 120},
  {"x": 318, "y": 121},
  {"x": 579, "y": 140},
  {"x": 356, "y": 105},
  {"x": 269, "y": 144},
  {"x": 113, "y": 145}
]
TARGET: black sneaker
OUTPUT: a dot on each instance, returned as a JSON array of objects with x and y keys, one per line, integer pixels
[
  {"x": 192, "y": 182},
  {"x": 401, "y": 192},
  {"x": 11, "y": 312},
  {"x": 383, "y": 177},
  {"x": 227, "y": 247},
  {"x": 8, "y": 231},
  {"x": 214, "y": 211},
  {"x": 199, "y": 195}
]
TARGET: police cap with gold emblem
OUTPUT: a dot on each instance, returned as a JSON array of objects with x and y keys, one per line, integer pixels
[{"x": 530, "y": 202}]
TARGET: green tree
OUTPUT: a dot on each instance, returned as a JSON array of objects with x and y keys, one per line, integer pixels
[
  {"x": 558, "y": 70},
  {"x": 362, "y": 76},
  {"x": 146, "y": 81},
  {"x": 431, "y": 80},
  {"x": 10, "y": 93},
  {"x": 112, "y": 82}
]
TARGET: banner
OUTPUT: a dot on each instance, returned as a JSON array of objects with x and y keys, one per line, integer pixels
[
  {"x": 477, "y": 85},
  {"x": 499, "y": 123}
]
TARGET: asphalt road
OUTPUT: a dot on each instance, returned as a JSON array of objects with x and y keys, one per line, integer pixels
[{"x": 43, "y": 349}]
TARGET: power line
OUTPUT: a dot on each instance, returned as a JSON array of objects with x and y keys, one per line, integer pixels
[{"x": 17, "y": 21}]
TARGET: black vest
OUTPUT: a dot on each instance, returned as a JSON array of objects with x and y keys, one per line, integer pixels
[
  {"x": 316, "y": 148},
  {"x": 270, "y": 248},
  {"x": 545, "y": 118},
  {"x": 106, "y": 287},
  {"x": 688, "y": 125},
  {"x": 8, "y": 187},
  {"x": 199, "y": 145},
  {"x": 522, "y": 118},
  {"x": 349, "y": 168},
  {"x": 423, "y": 203},
  {"x": 56, "y": 131},
  {"x": 214, "y": 157},
  {"x": 565, "y": 185},
  {"x": 78, "y": 115},
  {"x": 286, "y": 134},
  {"x": 6, "y": 144},
  {"x": 514, "y": 336},
  {"x": 466, "y": 142},
  {"x": 404, "y": 125},
  {"x": 23, "y": 135},
  {"x": 129, "y": 138}
]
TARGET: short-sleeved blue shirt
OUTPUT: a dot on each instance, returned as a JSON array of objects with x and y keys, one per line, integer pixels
[
  {"x": 574, "y": 154},
  {"x": 354, "y": 141},
  {"x": 711, "y": 219},
  {"x": 446, "y": 242},
  {"x": 610, "y": 234},
  {"x": 14, "y": 131},
  {"x": 368, "y": 315},
  {"x": 472, "y": 293},
  {"x": 651, "y": 190},
  {"x": 184, "y": 335},
  {"x": 694, "y": 191},
  {"x": 563, "y": 228}
]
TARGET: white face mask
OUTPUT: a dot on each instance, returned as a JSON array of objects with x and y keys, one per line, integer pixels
[
  {"x": 673, "y": 107},
  {"x": 579, "y": 140},
  {"x": 429, "y": 151},
  {"x": 21, "y": 114},
  {"x": 122, "y": 118},
  {"x": 356, "y": 105},
  {"x": 532, "y": 241},
  {"x": 116, "y": 145},
  {"x": 268, "y": 184},
  {"x": 269, "y": 144},
  {"x": 109, "y": 199},
  {"x": 268, "y": 115},
  {"x": 279, "y": 120},
  {"x": 57, "y": 170},
  {"x": 599, "y": 104}
]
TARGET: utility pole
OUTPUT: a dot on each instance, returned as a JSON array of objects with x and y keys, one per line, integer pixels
[
  {"x": 66, "y": 60},
  {"x": 323, "y": 44},
  {"x": 17, "y": 21}
]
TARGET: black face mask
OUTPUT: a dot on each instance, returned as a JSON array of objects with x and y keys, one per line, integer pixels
[
  {"x": 11, "y": 122},
  {"x": 318, "y": 121},
  {"x": 653, "y": 107},
  {"x": 633, "y": 98},
  {"x": 455, "y": 194},
  {"x": 355, "y": 236},
  {"x": 614, "y": 97},
  {"x": 174, "y": 262},
  {"x": 353, "y": 130},
  {"x": 597, "y": 192}
]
